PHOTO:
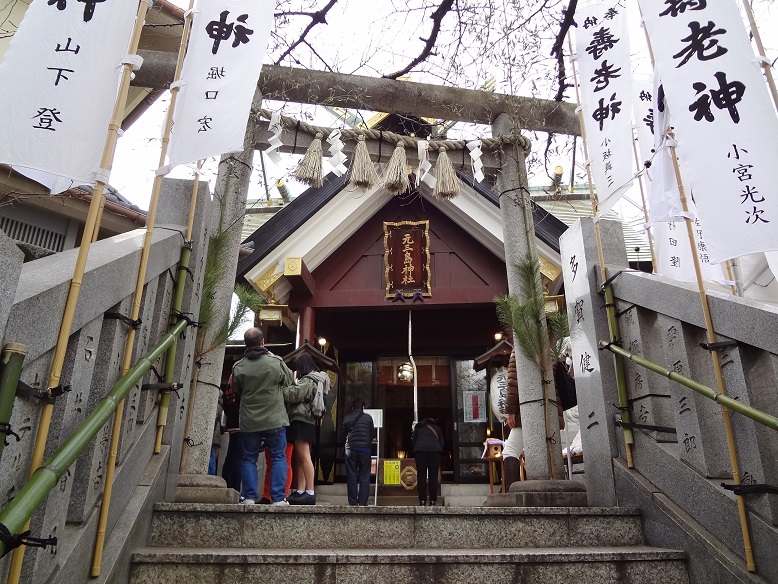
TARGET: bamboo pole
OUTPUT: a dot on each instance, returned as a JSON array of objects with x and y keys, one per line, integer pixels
[
  {"x": 170, "y": 358},
  {"x": 18, "y": 512},
  {"x": 610, "y": 301},
  {"x": 11, "y": 360},
  {"x": 96, "y": 233},
  {"x": 749, "y": 411},
  {"x": 711, "y": 335},
  {"x": 645, "y": 207},
  {"x": 768, "y": 72},
  {"x": 44, "y": 424},
  {"x": 750, "y": 565},
  {"x": 135, "y": 312}
]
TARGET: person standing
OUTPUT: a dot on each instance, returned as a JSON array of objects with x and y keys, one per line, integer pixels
[
  {"x": 427, "y": 450},
  {"x": 359, "y": 429},
  {"x": 231, "y": 470},
  {"x": 259, "y": 379},
  {"x": 300, "y": 400}
]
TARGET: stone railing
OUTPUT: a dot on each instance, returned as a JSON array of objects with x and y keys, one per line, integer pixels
[
  {"x": 32, "y": 298},
  {"x": 681, "y": 460}
]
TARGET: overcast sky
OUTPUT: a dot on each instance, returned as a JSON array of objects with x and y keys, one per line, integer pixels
[{"x": 137, "y": 154}]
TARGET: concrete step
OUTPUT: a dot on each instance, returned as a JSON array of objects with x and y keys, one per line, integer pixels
[
  {"x": 400, "y": 528},
  {"x": 465, "y": 501},
  {"x": 452, "y": 495},
  {"x": 451, "y": 490},
  {"x": 638, "y": 565},
  {"x": 383, "y": 500}
]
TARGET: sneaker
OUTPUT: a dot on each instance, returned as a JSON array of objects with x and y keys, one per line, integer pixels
[
  {"x": 303, "y": 499},
  {"x": 248, "y": 501},
  {"x": 280, "y": 503},
  {"x": 293, "y": 497},
  {"x": 422, "y": 503}
]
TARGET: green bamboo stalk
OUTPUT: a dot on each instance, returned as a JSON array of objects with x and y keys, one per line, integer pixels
[
  {"x": 620, "y": 371},
  {"x": 10, "y": 371},
  {"x": 45, "y": 478},
  {"x": 720, "y": 398}
]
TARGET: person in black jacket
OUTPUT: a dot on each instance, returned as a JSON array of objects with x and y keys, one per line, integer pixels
[
  {"x": 231, "y": 471},
  {"x": 427, "y": 450},
  {"x": 359, "y": 430}
]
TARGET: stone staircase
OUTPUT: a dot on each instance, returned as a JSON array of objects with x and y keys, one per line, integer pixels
[
  {"x": 237, "y": 544},
  {"x": 450, "y": 495}
]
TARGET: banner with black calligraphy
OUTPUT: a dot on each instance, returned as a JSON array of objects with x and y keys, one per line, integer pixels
[
  {"x": 674, "y": 254},
  {"x": 671, "y": 241},
  {"x": 219, "y": 77},
  {"x": 407, "y": 259},
  {"x": 724, "y": 120},
  {"x": 60, "y": 77},
  {"x": 603, "y": 60}
]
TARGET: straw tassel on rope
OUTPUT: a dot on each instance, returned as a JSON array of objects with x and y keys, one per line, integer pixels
[
  {"x": 447, "y": 185},
  {"x": 363, "y": 173},
  {"x": 309, "y": 169},
  {"x": 396, "y": 180}
]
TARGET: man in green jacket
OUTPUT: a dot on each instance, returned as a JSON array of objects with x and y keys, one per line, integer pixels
[{"x": 259, "y": 379}]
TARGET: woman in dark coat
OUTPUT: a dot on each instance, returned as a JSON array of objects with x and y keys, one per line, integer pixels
[{"x": 427, "y": 450}]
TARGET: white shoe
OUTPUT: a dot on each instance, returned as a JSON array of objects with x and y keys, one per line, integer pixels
[
  {"x": 281, "y": 503},
  {"x": 249, "y": 501}
]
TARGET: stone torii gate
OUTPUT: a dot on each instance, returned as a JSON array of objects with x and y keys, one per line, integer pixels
[{"x": 506, "y": 114}]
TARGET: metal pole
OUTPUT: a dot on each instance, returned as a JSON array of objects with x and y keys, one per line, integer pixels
[
  {"x": 415, "y": 376},
  {"x": 15, "y": 569},
  {"x": 16, "y": 515},
  {"x": 610, "y": 301},
  {"x": 11, "y": 360},
  {"x": 645, "y": 207}
]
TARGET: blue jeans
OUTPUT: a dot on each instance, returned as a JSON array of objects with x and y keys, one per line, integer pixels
[
  {"x": 253, "y": 442},
  {"x": 214, "y": 461}
]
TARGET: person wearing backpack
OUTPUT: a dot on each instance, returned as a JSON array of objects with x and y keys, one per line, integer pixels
[
  {"x": 359, "y": 429},
  {"x": 305, "y": 404}
]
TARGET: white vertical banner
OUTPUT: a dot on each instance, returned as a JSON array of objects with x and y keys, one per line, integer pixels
[
  {"x": 602, "y": 48},
  {"x": 671, "y": 239},
  {"x": 59, "y": 81},
  {"x": 664, "y": 198},
  {"x": 724, "y": 119},
  {"x": 643, "y": 111},
  {"x": 674, "y": 254},
  {"x": 219, "y": 77}
]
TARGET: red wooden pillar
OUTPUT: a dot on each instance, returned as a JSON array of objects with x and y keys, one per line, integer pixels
[{"x": 307, "y": 323}]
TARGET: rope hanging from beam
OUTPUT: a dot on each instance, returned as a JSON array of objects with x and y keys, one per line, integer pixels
[{"x": 519, "y": 140}]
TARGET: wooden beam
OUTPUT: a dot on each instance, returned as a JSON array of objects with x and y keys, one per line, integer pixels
[{"x": 387, "y": 95}]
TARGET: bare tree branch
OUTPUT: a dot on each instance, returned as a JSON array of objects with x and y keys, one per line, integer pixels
[
  {"x": 436, "y": 17},
  {"x": 318, "y": 17}
]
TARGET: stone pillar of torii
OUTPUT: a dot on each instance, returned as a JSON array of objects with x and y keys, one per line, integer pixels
[{"x": 507, "y": 114}]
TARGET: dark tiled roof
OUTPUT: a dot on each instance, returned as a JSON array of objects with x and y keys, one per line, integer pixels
[
  {"x": 288, "y": 220},
  {"x": 547, "y": 227}
]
